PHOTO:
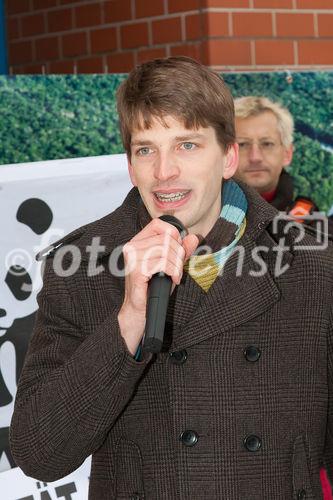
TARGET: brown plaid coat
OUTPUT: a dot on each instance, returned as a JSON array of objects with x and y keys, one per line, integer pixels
[{"x": 237, "y": 407}]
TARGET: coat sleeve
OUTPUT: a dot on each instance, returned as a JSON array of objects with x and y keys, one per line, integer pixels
[{"x": 72, "y": 387}]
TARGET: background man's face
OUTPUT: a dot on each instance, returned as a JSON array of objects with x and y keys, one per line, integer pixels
[
  {"x": 262, "y": 155},
  {"x": 179, "y": 171}
]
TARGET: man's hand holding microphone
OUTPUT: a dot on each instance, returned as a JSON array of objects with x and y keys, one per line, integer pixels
[{"x": 154, "y": 261}]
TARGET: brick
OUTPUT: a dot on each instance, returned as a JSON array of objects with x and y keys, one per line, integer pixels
[
  {"x": 134, "y": 35},
  {"x": 103, "y": 40},
  {"x": 167, "y": 30},
  {"x": 33, "y": 69},
  {"x": 273, "y": 4},
  {"x": 59, "y": 20},
  {"x": 18, "y": 7},
  {"x": 12, "y": 28},
  {"x": 226, "y": 52},
  {"x": 20, "y": 52},
  {"x": 294, "y": 25},
  {"x": 227, "y": 3},
  {"x": 193, "y": 27},
  {"x": 315, "y": 52},
  {"x": 149, "y": 8},
  {"x": 120, "y": 62},
  {"x": 149, "y": 54},
  {"x": 314, "y": 4},
  {"x": 183, "y": 5},
  {"x": 252, "y": 24},
  {"x": 325, "y": 23},
  {"x": 61, "y": 67},
  {"x": 88, "y": 15},
  {"x": 47, "y": 48},
  {"x": 188, "y": 50},
  {"x": 74, "y": 44},
  {"x": 117, "y": 10},
  {"x": 90, "y": 65},
  {"x": 44, "y": 4},
  {"x": 271, "y": 52},
  {"x": 33, "y": 25},
  {"x": 215, "y": 24},
  {"x": 17, "y": 70}
]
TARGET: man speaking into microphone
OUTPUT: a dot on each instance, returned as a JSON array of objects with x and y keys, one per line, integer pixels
[{"x": 234, "y": 403}]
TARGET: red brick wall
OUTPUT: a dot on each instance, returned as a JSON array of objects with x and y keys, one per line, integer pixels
[{"x": 66, "y": 36}]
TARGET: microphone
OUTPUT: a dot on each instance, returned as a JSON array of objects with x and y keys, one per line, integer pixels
[{"x": 159, "y": 289}]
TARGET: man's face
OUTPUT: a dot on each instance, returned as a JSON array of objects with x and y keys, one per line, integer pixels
[
  {"x": 179, "y": 171},
  {"x": 262, "y": 155}
]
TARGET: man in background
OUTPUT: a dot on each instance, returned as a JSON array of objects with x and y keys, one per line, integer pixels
[{"x": 264, "y": 131}]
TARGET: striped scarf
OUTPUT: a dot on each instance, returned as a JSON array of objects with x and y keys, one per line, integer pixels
[{"x": 229, "y": 228}]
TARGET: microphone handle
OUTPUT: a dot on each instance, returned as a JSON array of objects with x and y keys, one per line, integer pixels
[
  {"x": 157, "y": 305},
  {"x": 159, "y": 289}
]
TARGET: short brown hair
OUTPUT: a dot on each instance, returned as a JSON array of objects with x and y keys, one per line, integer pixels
[{"x": 180, "y": 87}]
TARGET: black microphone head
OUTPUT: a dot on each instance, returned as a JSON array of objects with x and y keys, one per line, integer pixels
[{"x": 171, "y": 219}]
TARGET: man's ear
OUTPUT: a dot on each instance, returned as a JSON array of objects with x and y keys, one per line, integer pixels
[
  {"x": 231, "y": 161},
  {"x": 131, "y": 171},
  {"x": 288, "y": 155}
]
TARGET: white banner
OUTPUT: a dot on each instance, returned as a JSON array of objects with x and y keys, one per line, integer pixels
[
  {"x": 41, "y": 202},
  {"x": 14, "y": 485}
]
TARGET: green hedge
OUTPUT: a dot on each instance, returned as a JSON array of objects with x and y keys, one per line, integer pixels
[{"x": 51, "y": 117}]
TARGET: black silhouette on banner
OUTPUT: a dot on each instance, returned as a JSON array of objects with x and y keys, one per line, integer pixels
[
  {"x": 64, "y": 491},
  {"x": 14, "y": 339}
]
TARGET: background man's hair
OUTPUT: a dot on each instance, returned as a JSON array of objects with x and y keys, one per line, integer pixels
[
  {"x": 248, "y": 106},
  {"x": 180, "y": 87}
]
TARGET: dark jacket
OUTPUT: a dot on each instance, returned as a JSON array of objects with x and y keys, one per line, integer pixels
[
  {"x": 284, "y": 197},
  {"x": 238, "y": 406},
  {"x": 284, "y": 200}
]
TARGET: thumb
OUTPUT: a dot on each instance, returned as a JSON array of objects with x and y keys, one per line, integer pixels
[{"x": 190, "y": 243}]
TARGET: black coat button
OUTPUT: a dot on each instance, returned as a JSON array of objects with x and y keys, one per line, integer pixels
[
  {"x": 189, "y": 438},
  {"x": 252, "y": 353},
  {"x": 301, "y": 495},
  {"x": 178, "y": 357},
  {"x": 252, "y": 443}
]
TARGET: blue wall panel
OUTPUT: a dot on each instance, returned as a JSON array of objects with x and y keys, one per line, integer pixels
[{"x": 3, "y": 41}]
